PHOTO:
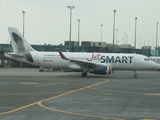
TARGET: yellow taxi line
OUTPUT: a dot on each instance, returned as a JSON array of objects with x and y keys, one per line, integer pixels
[{"x": 29, "y": 105}]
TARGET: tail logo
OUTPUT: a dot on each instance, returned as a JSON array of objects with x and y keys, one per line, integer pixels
[{"x": 19, "y": 41}]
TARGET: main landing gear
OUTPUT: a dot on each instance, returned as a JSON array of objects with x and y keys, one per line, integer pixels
[
  {"x": 135, "y": 74},
  {"x": 84, "y": 74}
]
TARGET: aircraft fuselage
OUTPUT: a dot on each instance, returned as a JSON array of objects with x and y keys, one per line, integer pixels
[{"x": 117, "y": 61}]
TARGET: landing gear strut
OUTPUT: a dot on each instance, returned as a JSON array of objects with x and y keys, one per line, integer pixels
[
  {"x": 135, "y": 74},
  {"x": 84, "y": 74}
]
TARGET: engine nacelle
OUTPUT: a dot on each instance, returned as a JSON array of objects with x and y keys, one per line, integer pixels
[{"x": 102, "y": 70}]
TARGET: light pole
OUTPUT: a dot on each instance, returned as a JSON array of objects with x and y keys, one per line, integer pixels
[
  {"x": 113, "y": 28},
  {"x": 78, "y": 30},
  {"x": 23, "y": 34},
  {"x": 70, "y": 7},
  {"x": 117, "y": 37},
  {"x": 101, "y": 33},
  {"x": 23, "y": 21},
  {"x": 124, "y": 37},
  {"x": 156, "y": 38},
  {"x": 135, "y": 32}
]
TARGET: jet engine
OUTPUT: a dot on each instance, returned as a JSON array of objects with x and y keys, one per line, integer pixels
[{"x": 102, "y": 70}]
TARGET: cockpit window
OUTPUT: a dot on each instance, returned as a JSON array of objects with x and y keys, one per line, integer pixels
[{"x": 146, "y": 59}]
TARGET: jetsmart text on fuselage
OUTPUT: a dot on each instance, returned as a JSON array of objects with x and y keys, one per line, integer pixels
[{"x": 111, "y": 59}]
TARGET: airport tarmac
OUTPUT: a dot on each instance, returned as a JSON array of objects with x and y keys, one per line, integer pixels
[{"x": 27, "y": 94}]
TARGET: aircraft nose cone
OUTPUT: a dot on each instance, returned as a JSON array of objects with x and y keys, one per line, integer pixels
[{"x": 155, "y": 65}]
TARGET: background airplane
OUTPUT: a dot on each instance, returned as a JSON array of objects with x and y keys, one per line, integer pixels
[{"x": 97, "y": 63}]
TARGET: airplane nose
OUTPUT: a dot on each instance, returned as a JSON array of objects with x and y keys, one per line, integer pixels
[
  {"x": 154, "y": 65},
  {"x": 157, "y": 66}
]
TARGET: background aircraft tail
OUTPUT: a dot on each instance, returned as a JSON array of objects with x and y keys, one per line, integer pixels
[{"x": 19, "y": 43}]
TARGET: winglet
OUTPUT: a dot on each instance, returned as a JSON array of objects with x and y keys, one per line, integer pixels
[{"x": 61, "y": 54}]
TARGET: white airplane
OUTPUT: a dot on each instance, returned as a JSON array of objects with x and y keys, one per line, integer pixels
[{"x": 97, "y": 63}]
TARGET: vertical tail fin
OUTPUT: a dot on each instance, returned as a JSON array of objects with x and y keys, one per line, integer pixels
[{"x": 19, "y": 43}]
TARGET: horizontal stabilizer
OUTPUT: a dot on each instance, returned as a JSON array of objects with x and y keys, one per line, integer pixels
[{"x": 15, "y": 55}]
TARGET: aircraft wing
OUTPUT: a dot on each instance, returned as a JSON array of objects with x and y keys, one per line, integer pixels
[{"x": 83, "y": 64}]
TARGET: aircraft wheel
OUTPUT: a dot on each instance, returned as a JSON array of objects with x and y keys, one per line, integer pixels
[
  {"x": 135, "y": 76},
  {"x": 84, "y": 74}
]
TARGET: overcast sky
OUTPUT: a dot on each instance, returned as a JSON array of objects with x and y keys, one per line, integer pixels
[{"x": 48, "y": 21}]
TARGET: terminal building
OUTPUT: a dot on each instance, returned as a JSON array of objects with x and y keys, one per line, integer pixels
[{"x": 86, "y": 46}]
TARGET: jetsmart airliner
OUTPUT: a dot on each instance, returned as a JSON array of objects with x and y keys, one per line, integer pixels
[{"x": 96, "y": 63}]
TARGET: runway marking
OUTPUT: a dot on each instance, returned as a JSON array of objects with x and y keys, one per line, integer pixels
[
  {"x": 146, "y": 119},
  {"x": 63, "y": 83},
  {"x": 79, "y": 114},
  {"x": 17, "y": 109},
  {"x": 63, "y": 94},
  {"x": 151, "y": 94},
  {"x": 74, "y": 113},
  {"x": 29, "y": 83},
  {"x": 41, "y": 93},
  {"x": 73, "y": 91},
  {"x": 122, "y": 76}
]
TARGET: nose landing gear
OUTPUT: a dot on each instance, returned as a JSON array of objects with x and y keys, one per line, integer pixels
[{"x": 135, "y": 74}]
